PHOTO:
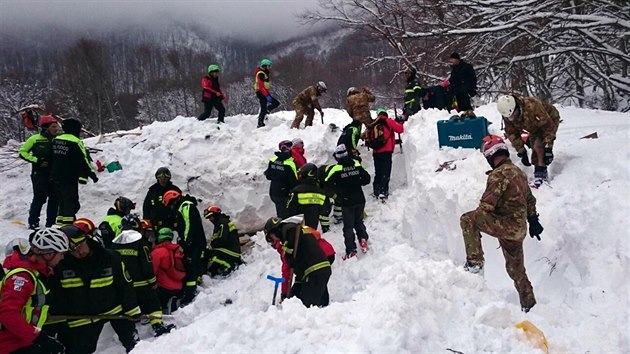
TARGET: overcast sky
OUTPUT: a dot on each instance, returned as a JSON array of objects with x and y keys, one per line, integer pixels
[{"x": 241, "y": 17}]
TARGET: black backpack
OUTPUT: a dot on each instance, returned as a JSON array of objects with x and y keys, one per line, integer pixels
[{"x": 376, "y": 137}]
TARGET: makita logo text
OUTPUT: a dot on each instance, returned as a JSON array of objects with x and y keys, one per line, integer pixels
[{"x": 460, "y": 137}]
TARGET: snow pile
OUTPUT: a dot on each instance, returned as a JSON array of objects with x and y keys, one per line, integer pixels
[{"x": 409, "y": 293}]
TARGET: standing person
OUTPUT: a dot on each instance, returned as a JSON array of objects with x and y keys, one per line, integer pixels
[
  {"x": 70, "y": 166},
  {"x": 225, "y": 246},
  {"x": 462, "y": 83},
  {"x": 541, "y": 121},
  {"x": 153, "y": 207},
  {"x": 350, "y": 136},
  {"x": 506, "y": 206},
  {"x": 192, "y": 239},
  {"x": 346, "y": 179},
  {"x": 414, "y": 93},
  {"x": 382, "y": 139},
  {"x": 282, "y": 172},
  {"x": 168, "y": 266},
  {"x": 37, "y": 150},
  {"x": 306, "y": 102},
  {"x": 24, "y": 295},
  {"x": 112, "y": 223},
  {"x": 212, "y": 96},
  {"x": 262, "y": 86},
  {"x": 297, "y": 152},
  {"x": 308, "y": 198},
  {"x": 358, "y": 105}
]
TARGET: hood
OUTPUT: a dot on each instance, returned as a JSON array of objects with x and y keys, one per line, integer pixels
[
  {"x": 168, "y": 245},
  {"x": 113, "y": 211},
  {"x": 18, "y": 260},
  {"x": 127, "y": 236},
  {"x": 298, "y": 149},
  {"x": 283, "y": 155}
]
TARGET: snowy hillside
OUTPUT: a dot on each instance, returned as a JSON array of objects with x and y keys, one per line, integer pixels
[{"x": 409, "y": 293}]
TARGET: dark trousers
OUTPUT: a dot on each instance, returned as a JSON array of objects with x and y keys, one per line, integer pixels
[
  {"x": 31, "y": 349},
  {"x": 264, "y": 107},
  {"x": 43, "y": 189},
  {"x": 463, "y": 101},
  {"x": 68, "y": 199},
  {"x": 149, "y": 302},
  {"x": 194, "y": 264},
  {"x": 382, "y": 172},
  {"x": 169, "y": 299},
  {"x": 314, "y": 290},
  {"x": 222, "y": 264},
  {"x": 83, "y": 339},
  {"x": 281, "y": 206},
  {"x": 353, "y": 222},
  {"x": 214, "y": 102}
]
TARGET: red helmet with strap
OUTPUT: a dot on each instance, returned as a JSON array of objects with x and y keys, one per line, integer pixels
[
  {"x": 86, "y": 225},
  {"x": 211, "y": 210},
  {"x": 170, "y": 196},
  {"x": 46, "y": 120}
]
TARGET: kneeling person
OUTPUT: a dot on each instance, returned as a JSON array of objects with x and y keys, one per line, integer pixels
[{"x": 225, "y": 246}]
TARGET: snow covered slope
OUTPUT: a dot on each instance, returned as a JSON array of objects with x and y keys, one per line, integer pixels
[{"x": 409, "y": 293}]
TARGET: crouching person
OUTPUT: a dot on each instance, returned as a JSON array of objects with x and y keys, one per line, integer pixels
[
  {"x": 225, "y": 252},
  {"x": 168, "y": 266}
]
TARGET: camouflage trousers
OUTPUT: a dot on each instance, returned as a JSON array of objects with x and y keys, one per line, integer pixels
[
  {"x": 300, "y": 111},
  {"x": 473, "y": 223}
]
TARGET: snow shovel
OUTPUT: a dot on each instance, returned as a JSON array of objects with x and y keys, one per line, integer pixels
[
  {"x": 534, "y": 334},
  {"x": 277, "y": 281}
]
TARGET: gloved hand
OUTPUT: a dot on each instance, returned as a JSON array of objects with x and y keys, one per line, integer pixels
[
  {"x": 445, "y": 83},
  {"x": 49, "y": 344},
  {"x": 325, "y": 229},
  {"x": 524, "y": 158},
  {"x": 535, "y": 229},
  {"x": 269, "y": 100},
  {"x": 548, "y": 156},
  {"x": 93, "y": 177}
]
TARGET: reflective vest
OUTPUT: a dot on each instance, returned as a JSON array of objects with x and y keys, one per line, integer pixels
[
  {"x": 266, "y": 82},
  {"x": 288, "y": 162},
  {"x": 35, "y": 310},
  {"x": 184, "y": 210},
  {"x": 115, "y": 222}
]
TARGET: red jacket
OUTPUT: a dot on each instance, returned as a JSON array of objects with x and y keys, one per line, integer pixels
[
  {"x": 16, "y": 333},
  {"x": 261, "y": 83},
  {"x": 298, "y": 156},
  {"x": 211, "y": 88},
  {"x": 394, "y": 127},
  {"x": 168, "y": 265}
]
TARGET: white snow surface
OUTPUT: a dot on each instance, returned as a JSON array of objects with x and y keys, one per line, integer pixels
[{"x": 409, "y": 294}]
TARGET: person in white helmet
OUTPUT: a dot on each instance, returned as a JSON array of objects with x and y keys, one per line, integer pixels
[{"x": 306, "y": 102}]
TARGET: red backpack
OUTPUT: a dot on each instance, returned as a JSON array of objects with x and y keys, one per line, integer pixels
[{"x": 29, "y": 119}]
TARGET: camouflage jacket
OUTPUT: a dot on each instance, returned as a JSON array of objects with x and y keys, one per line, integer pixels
[
  {"x": 309, "y": 97},
  {"x": 358, "y": 106},
  {"x": 537, "y": 117}
]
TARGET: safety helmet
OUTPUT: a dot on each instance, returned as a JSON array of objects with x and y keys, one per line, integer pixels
[
  {"x": 271, "y": 224},
  {"x": 265, "y": 62},
  {"x": 492, "y": 144},
  {"x": 321, "y": 86},
  {"x": 381, "y": 111},
  {"x": 74, "y": 234},
  {"x": 50, "y": 240},
  {"x": 307, "y": 171},
  {"x": 506, "y": 105},
  {"x": 124, "y": 205},
  {"x": 213, "y": 67},
  {"x": 352, "y": 90},
  {"x": 163, "y": 172},
  {"x": 170, "y": 196},
  {"x": 131, "y": 222},
  {"x": 211, "y": 210},
  {"x": 46, "y": 120},
  {"x": 86, "y": 225},
  {"x": 297, "y": 142},
  {"x": 18, "y": 244},
  {"x": 285, "y": 145},
  {"x": 165, "y": 234},
  {"x": 146, "y": 225},
  {"x": 340, "y": 151}
]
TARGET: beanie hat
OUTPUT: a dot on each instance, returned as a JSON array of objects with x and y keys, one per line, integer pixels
[{"x": 455, "y": 55}]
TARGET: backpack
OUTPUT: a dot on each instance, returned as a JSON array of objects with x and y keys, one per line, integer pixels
[
  {"x": 375, "y": 137},
  {"x": 29, "y": 119}
]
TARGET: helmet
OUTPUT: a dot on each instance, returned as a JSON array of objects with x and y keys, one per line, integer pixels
[
  {"x": 131, "y": 222},
  {"x": 163, "y": 172},
  {"x": 265, "y": 62},
  {"x": 352, "y": 90},
  {"x": 213, "y": 67},
  {"x": 18, "y": 244},
  {"x": 309, "y": 170},
  {"x": 285, "y": 145},
  {"x": 124, "y": 205},
  {"x": 170, "y": 196},
  {"x": 86, "y": 225},
  {"x": 165, "y": 234},
  {"x": 381, "y": 111},
  {"x": 506, "y": 105},
  {"x": 340, "y": 151},
  {"x": 74, "y": 234},
  {"x": 321, "y": 86},
  {"x": 46, "y": 120},
  {"x": 50, "y": 240},
  {"x": 492, "y": 144},
  {"x": 297, "y": 142},
  {"x": 271, "y": 224},
  {"x": 211, "y": 210},
  {"x": 146, "y": 225}
]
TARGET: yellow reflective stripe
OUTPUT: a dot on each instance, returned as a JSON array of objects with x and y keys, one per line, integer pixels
[
  {"x": 77, "y": 323},
  {"x": 184, "y": 210},
  {"x": 144, "y": 282},
  {"x": 25, "y": 149},
  {"x": 221, "y": 262},
  {"x": 332, "y": 171},
  {"x": 114, "y": 311},
  {"x": 232, "y": 226},
  {"x": 315, "y": 267},
  {"x": 291, "y": 163},
  {"x": 128, "y": 252},
  {"x": 134, "y": 311},
  {"x": 228, "y": 252},
  {"x": 410, "y": 101},
  {"x": 71, "y": 283},
  {"x": 156, "y": 317},
  {"x": 102, "y": 282},
  {"x": 191, "y": 283},
  {"x": 311, "y": 198}
]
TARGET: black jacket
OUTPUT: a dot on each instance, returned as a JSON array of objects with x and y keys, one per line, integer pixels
[
  {"x": 225, "y": 241},
  {"x": 309, "y": 199},
  {"x": 192, "y": 237},
  {"x": 282, "y": 172},
  {"x": 136, "y": 253},
  {"x": 154, "y": 209},
  {"x": 70, "y": 161},
  {"x": 111, "y": 226},
  {"x": 350, "y": 136},
  {"x": 309, "y": 257},
  {"x": 346, "y": 179},
  {"x": 413, "y": 95},
  {"x": 463, "y": 79}
]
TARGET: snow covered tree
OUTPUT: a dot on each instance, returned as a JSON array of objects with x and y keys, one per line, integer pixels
[{"x": 15, "y": 94}]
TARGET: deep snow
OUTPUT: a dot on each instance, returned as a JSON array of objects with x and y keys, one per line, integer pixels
[{"x": 409, "y": 293}]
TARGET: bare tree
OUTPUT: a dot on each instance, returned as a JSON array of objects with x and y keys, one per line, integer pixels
[{"x": 15, "y": 94}]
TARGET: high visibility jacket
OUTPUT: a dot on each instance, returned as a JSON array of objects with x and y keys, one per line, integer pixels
[
  {"x": 350, "y": 137},
  {"x": 136, "y": 253},
  {"x": 71, "y": 162},
  {"x": 225, "y": 242},
  {"x": 261, "y": 82},
  {"x": 111, "y": 226},
  {"x": 309, "y": 258},
  {"x": 309, "y": 199},
  {"x": 190, "y": 228},
  {"x": 413, "y": 95},
  {"x": 346, "y": 179},
  {"x": 282, "y": 172},
  {"x": 37, "y": 149},
  {"x": 154, "y": 209}
]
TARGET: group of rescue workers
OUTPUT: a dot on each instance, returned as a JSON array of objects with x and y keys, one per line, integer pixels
[{"x": 66, "y": 281}]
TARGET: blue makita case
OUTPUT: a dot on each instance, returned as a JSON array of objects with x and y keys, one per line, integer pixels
[{"x": 465, "y": 133}]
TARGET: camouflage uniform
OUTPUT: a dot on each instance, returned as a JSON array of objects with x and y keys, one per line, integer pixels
[
  {"x": 306, "y": 102},
  {"x": 358, "y": 106},
  {"x": 502, "y": 213},
  {"x": 539, "y": 118}
]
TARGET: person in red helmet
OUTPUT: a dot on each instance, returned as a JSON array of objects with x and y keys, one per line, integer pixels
[
  {"x": 503, "y": 212},
  {"x": 37, "y": 150},
  {"x": 225, "y": 246}
]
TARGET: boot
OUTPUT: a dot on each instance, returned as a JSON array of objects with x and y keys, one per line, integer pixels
[
  {"x": 473, "y": 268},
  {"x": 160, "y": 329},
  {"x": 261, "y": 122}
]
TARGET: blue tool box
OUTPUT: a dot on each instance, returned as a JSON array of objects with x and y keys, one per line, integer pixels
[{"x": 466, "y": 133}]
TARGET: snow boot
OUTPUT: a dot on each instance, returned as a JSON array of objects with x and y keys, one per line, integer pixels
[
  {"x": 261, "y": 122},
  {"x": 160, "y": 329},
  {"x": 473, "y": 268},
  {"x": 540, "y": 176},
  {"x": 382, "y": 197},
  {"x": 364, "y": 245},
  {"x": 349, "y": 255}
]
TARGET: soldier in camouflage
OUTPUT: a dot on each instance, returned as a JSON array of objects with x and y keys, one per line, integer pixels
[
  {"x": 358, "y": 105},
  {"x": 504, "y": 210},
  {"x": 540, "y": 120},
  {"x": 306, "y": 102}
]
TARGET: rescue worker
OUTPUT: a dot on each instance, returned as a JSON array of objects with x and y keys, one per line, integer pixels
[
  {"x": 297, "y": 152},
  {"x": 92, "y": 281},
  {"x": 37, "y": 150},
  {"x": 387, "y": 128},
  {"x": 282, "y": 172},
  {"x": 153, "y": 207},
  {"x": 358, "y": 105},
  {"x": 168, "y": 266},
  {"x": 212, "y": 96},
  {"x": 462, "y": 83},
  {"x": 225, "y": 246},
  {"x": 70, "y": 166},
  {"x": 192, "y": 239},
  {"x": 135, "y": 251},
  {"x": 24, "y": 294},
  {"x": 306, "y": 102},
  {"x": 112, "y": 223},
  {"x": 303, "y": 254},
  {"x": 87, "y": 226},
  {"x": 346, "y": 179},
  {"x": 540, "y": 120},
  {"x": 350, "y": 136},
  {"x": 506, "y": 206},
  {"x": 414, "y": 93},
  {"x": 262, "y": 88},
  {"x": 309, "y": 198}
]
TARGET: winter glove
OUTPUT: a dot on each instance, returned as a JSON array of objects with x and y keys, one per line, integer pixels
[
  {"x": 535, "y": 229},
  {"x": 269, "y": 100},
  {"x": 325, "y": 229},
  {"x": 524, "y": 158},
  {"x": 49, "y": 344},
  {"x": 445, "y": 83},
  {"x": 548, "y": 156},
  {"x": 93, "y": 177}
]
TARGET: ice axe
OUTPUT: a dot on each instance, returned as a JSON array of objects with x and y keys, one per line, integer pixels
[{"x": 277, "y": 281}]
